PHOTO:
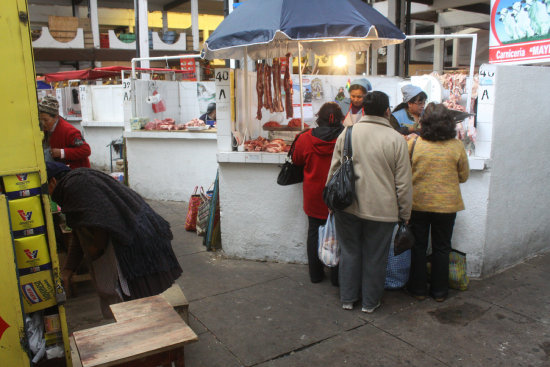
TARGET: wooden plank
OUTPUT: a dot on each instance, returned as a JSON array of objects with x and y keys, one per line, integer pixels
[
  {"x": 148, "y": 306},
  {"x": 133, "y": 339},
  {"x": 75, "y": 357}
]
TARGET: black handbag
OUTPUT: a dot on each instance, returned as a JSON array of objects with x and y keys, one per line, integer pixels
[
  {"x": 404, "y": 239},
  {"x": 339, "y": 192},
  {"x": 290, "y": 173}
]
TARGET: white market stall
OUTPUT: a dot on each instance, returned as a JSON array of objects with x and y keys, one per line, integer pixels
[
  {"x": 168, "y": 164},
  {"x": 261, "y": 220}
]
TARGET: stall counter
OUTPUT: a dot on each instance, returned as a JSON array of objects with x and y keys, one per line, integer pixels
[{"x": 167, "y": 165}]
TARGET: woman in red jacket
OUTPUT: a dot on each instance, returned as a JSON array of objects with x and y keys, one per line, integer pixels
[
  {"x": 66, "y": 142},
  {"x": 313, "y": 150}
]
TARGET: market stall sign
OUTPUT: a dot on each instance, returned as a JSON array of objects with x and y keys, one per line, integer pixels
[{"x": 520, "y": 32}]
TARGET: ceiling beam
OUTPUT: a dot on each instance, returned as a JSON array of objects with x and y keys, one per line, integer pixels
[
  {"x": 446, "y": 4},
  {"x": 174, "y": 4},
  {"x": 476, "y": 8},
  {"x": 455, "y": 18},
  {"x": 425, "y": 2}
]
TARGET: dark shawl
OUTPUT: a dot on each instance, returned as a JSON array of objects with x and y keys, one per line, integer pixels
[{"x": 141, "y": 237}]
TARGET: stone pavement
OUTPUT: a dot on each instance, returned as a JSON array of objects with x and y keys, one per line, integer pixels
[{"x": 251, "y": 313}]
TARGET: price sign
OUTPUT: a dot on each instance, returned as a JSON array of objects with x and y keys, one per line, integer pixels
[
  {"x": 222, "y": 76},
  {"x": 126, "y": 89}
]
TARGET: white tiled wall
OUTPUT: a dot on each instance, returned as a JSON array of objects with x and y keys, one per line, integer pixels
[
  {"x": 188, "y": 101},
  {"x": 485, "y": 108},
  {"x": 223, "y": 109}
]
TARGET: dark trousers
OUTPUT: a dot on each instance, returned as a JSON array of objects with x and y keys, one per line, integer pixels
[
  {"x": 364, "y": 247},
  {"x": 441, "y": 227},
  {"x": 316, "y": 267}
]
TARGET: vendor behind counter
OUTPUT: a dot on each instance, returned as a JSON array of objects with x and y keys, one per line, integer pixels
[{"x": 209, "y": 117}]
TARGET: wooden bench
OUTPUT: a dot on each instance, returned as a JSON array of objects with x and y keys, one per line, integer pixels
[{"x": 148, "y": 332}]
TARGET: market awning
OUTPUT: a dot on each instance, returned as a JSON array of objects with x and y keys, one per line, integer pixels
[
  {"x": 98, "y": 73},
  {"x": 264, "y": 29}
]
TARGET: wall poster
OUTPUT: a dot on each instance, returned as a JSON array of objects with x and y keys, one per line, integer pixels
[{"x": 520, "y": 31}]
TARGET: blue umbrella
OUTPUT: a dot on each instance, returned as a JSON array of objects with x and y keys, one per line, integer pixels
[{"x": 271, "y": 28}]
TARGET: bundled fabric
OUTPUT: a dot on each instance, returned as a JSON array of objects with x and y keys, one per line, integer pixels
[
  {"x": 458, "y": 279},
  {"x": 398, "y": 267},
  {"x": 329, "y": 250},
  {"x": 204, "y": 211},
  {"x": 212, "y": 238},
  {"x": 141, "y": 237},
  {"x": 404, "y": 239},
  {"x": 192, "y": 210},
  {"x": 340, "y": 189}
]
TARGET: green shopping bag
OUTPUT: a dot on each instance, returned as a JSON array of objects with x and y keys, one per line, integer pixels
[{"x": 458, "y": 279}]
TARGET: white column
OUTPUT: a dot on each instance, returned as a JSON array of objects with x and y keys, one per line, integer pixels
[
  {"x": 456, "y": 51},
  {"x": 164, "y": 21},
  {"x": 352, "y": 64},
  {"x": 391, "y": 55},
  {"x": 374, "y": 61},
  {"x": 94, "y": 23},
  {"x": 438, "y": 49},
  {"x": 412, "y": 43},
  {"x": 143, "y": 32},
  {"x": 195, "y": 23}
]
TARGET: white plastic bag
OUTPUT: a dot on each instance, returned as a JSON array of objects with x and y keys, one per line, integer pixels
[{"x": 329, "y": 250}]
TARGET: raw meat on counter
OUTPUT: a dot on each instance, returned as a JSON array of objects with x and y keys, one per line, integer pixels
[
  {"x": 271, "y": 124},
  {"x": 261, "y": 144},
  {"x": 297, "y": 123},
  {"x": 195, "y": 122},
  {"x": 166, "y": 124}
]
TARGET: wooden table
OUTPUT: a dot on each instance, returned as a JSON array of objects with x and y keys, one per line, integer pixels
[{"x": 147, "y": 332}]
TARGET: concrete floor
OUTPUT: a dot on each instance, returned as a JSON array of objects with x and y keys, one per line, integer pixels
[{"x": 249, "y": 313}]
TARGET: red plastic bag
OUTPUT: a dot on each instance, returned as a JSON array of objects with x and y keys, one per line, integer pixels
[
  {"x": 192, "y": 210},
  {"x": 160, "y": 106}
]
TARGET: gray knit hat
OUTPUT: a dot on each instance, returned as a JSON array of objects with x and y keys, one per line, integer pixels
[
  {"x": 49, "y": 105},
  {"x": 410, "y": 91}
]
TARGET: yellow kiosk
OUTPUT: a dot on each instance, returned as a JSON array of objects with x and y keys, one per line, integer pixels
[{"x": 30, "y": 285}]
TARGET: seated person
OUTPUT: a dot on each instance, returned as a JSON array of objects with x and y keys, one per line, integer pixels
[
  {"x": 406, "y": 115},
  {"x": 209, "y": 117},
  {"x": 65, "y": 141}
]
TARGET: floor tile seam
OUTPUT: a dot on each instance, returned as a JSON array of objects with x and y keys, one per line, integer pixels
[
  {"x": 236, "y": 289},
  {"x": 304, "y": 347},
  {"x": 530, "y": 318},
  {"x": 299, "y": 349},
  {"x": 192, "y": 253},
  {"x": 411, "y": 345},
  {"x": 217, "y": 339}
]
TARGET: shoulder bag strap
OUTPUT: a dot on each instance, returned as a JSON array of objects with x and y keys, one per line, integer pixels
[
  {"x": 348, "y": 151},
  {"x": 291, "y": 150}
]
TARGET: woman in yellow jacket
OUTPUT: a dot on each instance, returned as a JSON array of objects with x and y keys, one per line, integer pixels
[{"x": 439, "y": 165}]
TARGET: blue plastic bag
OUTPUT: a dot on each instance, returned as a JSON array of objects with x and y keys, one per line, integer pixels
[{"x": 398, "y": 268}]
